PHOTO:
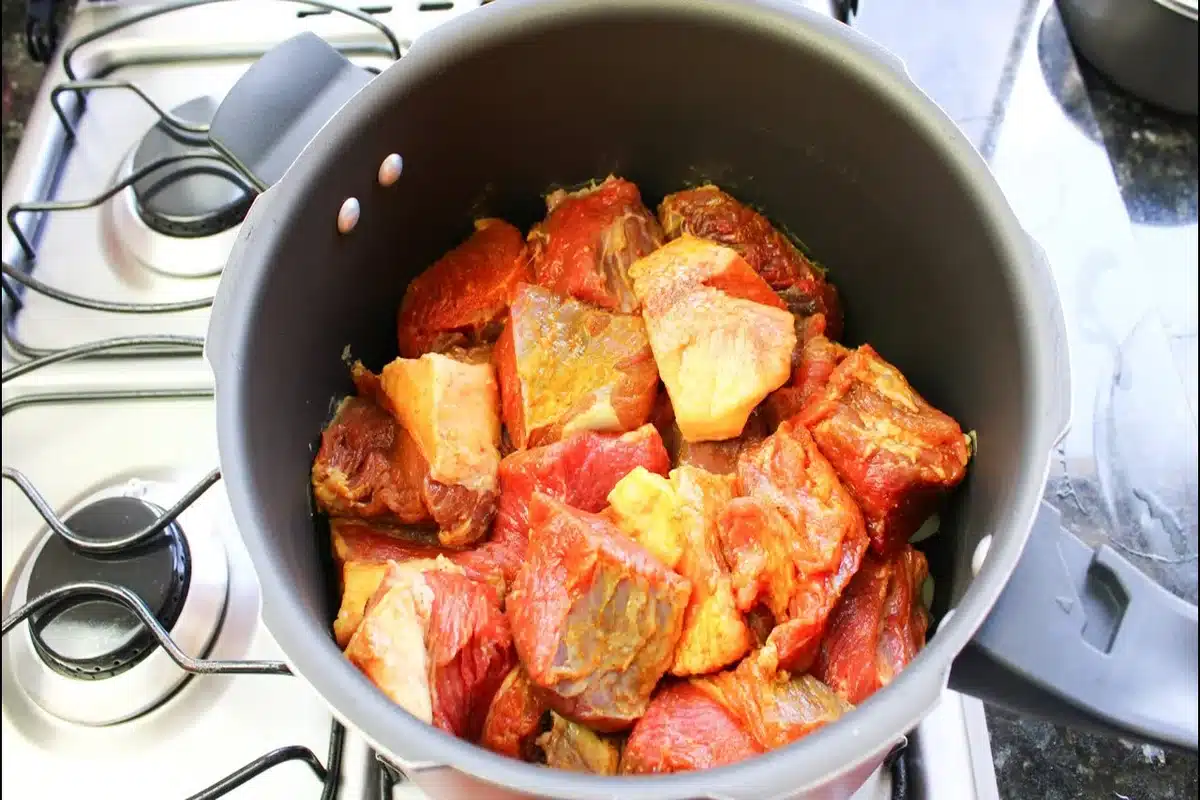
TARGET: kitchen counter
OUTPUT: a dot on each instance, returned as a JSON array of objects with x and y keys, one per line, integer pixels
[{"x": 964, "y": 55}]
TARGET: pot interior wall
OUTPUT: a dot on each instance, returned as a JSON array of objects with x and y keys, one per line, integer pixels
[{"x": 841, "y": 159}]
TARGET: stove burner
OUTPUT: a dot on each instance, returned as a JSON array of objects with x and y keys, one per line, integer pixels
[
  {"x": 96, "y": 638},
  {"x": 90, "y": 660},
  {"x": 192, "y": 198}
]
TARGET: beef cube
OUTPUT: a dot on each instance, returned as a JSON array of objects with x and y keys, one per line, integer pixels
[
  {"x": 360, "y": 580},
  {"x": 576, "y": 748},
  {"x": 587, "y": 241},
  {"x": 369, "y": 467},
  {"x": 896, "y": 454},
  {"x": 877, "y": 627},
  {"x": 451, "y": 410},
  {"x": 580, "y": 471},
  {"x": 515, "y": 718},
  {"x": 436, "y": 643},
  {"x": 676, "y": 520},
  {"x": 721, "y": 338},
  {"x": 460, "y": 301},
  {"x": 565, "y": 367},
  {"x": 595, "y": 617},
  {"x": 359, "y": 545},
  {"x": 685, "y": 729},
  {"x": 720, "y": 458},
  {"x": 709, "y": 213},
  {"x": 792, "y": 541},
  {"x": 774, "y": 706},
  {"x": 818, "y": 358}
]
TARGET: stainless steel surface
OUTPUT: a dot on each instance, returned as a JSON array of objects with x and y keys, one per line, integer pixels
[
  {"x": 951, "y": 754},
  {"x": 212, "y": 725},
  {"x": 1126, "y": 472},
  {"x": 123, "y": 231},
  {"x": 107, "y": 253},
  {"x": 141, "y": 688}
]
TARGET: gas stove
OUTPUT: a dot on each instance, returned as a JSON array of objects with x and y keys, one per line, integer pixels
[{"x": 119, "y": 222}]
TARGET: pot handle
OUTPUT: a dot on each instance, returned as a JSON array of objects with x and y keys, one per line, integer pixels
[
  {"x": 280, "y": 103},
  {"x": 263, "y": 124},
  {"x": 1082, "y": 637}
]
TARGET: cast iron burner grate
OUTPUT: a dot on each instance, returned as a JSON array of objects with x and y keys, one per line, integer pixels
[
  {"x": 185, "y": 162},
  {"x": 329, "y": 773}
]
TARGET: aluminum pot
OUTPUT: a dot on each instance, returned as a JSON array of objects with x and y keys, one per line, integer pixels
[
  {"x": 789, "y": 110},
  {"x": 1147, "y": 47}
]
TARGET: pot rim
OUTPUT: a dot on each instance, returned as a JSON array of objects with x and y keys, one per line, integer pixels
[
  {"x": 878, "y": 723},
  {"x": 1186, "y": 8}
]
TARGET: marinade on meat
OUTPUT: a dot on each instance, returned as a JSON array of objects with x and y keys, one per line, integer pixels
[
  {"x": 515, "y": 718},
  {"x": 363, "y": 552},
  {"x": 897, "y": 454},
  {"x": 584, "y": 246},
  {"x": 816, "y": 360},
  {"x": 777, "y": 707},
  {"x": 580, "y": 471},
  {"x": 577, "y": 748},
  {"x": 595, "y": 617},
  {"x": 721, "y": 457},
  {"x": 709, "y": 213},
  {"x": 721, "y": 719},
  {"x": 624, "y": 505},
  {"x": 793, "y": 539},
  {"x": 460, "y": 301},
  {"x": 436, "y": 643},
  {"x": 369, "y": 467},
  {"x": 360, "y": 581},
  {"x": 877, "y": 627},
  {"x": 721, "y": 338},
  {"x": 565, "y": 366},
  {"x": 675, "y": 519},
  {"x": 451, "y": 410},
  {"x": 685, "y": 729}
]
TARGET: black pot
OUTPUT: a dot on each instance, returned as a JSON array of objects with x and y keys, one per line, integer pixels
[{"x": 790, "y": 111}]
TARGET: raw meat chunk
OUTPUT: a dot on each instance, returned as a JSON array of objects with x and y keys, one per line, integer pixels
[
  {"x": 580, "y": 471},
  {"x": 792, "y": 541},
  {"x": 589, "y": 238},
  {"x": 878, "y": 626},
  {"x": 360, "y": 580},
  {"x": 367, "y": 466},
  {"x": 595, "y": 617},
  {"x": 720, "y": 458},
  {"x": 817, "y": 360},
  {"x": 515, "y": 718},
  {"x": 576, "y": 748},
  {"x": 565, "y": 366},
  {"x": 460, "y": 301},
  {"x": 451, "y": 410},
  {"x": 709, "y": 213},
  {"x": 685, "y": 729},
  {"x": 676, "y": 521},
  {"x": 364, "y": 551},
  {"x": 720, "y": 336},
  {"x": 895, "y": 453},
  {"x": 776, "y": 707},
  {"x": 436, "y": 643}
]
